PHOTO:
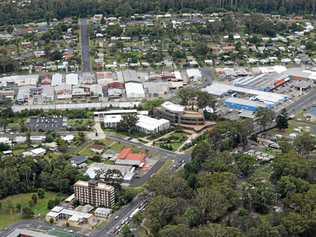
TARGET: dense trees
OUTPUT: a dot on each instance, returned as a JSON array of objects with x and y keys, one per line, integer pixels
[
  {"x": 20, "y": 175},
  {"x": 47, "y": 10},
  {"x": 224, "y": 193}
]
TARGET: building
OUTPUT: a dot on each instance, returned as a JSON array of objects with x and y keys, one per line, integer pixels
[
  {"x": 28, "y": 233},
  {"x": 47, "y": 123},
  {"x": 128, "y": 157},
  {"x": 148, "y": 125},
  {"x": 72, "y": 217},
  {"x": 111, "y": 121},
  {"x": 244, "y": 104},
  {"x": 177, "y": 114},
  {"x": 116, "y": 89},
  {"x": 100, "y": 115},
  {"x": 57, "y": 79},
  {"x": 78, "y": 161},
  {"x": 94, "y": 193},
  {"x": 126, "y": 171},
  {"x": 134, "y": 90},
  {"x": 194, "y": 74},
  {"x": 72, "y": 79},
  {"x": 97, "y": 148},
  {"x": 102, "y": 212}
]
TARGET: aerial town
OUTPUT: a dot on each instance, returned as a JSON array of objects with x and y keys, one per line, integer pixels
[{"x": 164, "y": 124}]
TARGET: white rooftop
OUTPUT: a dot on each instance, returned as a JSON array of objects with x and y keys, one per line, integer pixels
[
  {"x": 134, "y": 90},
  {"x": 220, "y": 89},
  {"x": 173, "y": 107},
  {"x": 150, "y": 124}
]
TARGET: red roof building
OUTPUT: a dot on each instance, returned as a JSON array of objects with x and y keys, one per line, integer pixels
[{"x": 128, "y": 157}]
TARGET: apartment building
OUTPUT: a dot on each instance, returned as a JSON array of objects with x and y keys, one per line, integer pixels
[{"x": 94, "y": 193}]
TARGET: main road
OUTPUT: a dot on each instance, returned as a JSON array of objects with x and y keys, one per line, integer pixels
[{"x": 85, "y": 48}]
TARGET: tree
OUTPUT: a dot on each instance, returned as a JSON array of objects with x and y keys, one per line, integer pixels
[
  {"x": 160, "y": 213},
  {"x": 246, "y": 164},
  {"x": 193, "y": 216},
  {"x": 304, "y": 144},
  {"x": 126, "y": 232},
  {"x": 41, "y": 193},
  {"x": 34, "y": 198},
  {"x": 204, "y": 100},
  {"x": 282, "y": 120},
  {"x": 264, "y": 117},
  {"x": 176, "y": 231},
  {"x": 128, "y": 123},
  {"x": 27, "y": 212},
  {"x": 186, "y": 94}
]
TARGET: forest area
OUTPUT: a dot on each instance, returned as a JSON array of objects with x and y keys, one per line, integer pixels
[
  {"x": 14, "y": 13},
  {"x": 224, "y": 193}
]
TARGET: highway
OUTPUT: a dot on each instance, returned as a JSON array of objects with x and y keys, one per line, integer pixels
[{"x": 85, "y": 50}]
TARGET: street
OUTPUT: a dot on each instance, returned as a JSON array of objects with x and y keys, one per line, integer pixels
[{"x": 85, "y": 51}]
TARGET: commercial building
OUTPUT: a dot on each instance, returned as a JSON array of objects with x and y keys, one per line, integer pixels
[
  {"x": 194, "y": 74},
  {"x": 150, "y": 125},
  {"x": 47, "y": 123},
  {"x": 115, "y": 89},
  {"x": 94, "y": 193},
  {"x": 100, "y": 115},
  {"x": 102, "y": 212},
  {"x": 57, "y": 79},
  {"x": 72, "y": 79},
  {"x": 28, "y": 233},
  {"x": 72, "y": 217},
  {"x": 178, "y": 115},
  {"x": 244, "y": 104},
  {"x": 128, "y": 157},
  {"x": 134, "y": 90},
  {"x": 221, "y": 89},
  {"x": 126, "y": 171}
]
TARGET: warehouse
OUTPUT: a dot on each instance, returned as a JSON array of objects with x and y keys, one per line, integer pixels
[
  {"x": 57, "y": 79},
  {"x": 134, "y": 90},
  {"x": 243, "y": 104},
  {"x": 221, "y": 89},
  {"x": 72, "y": 79}
]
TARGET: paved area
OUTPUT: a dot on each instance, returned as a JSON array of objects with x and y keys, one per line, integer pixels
[{"x": 85, "y": 49}]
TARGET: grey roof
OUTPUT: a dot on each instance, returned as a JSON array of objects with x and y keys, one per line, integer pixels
[{"x": 78, "y": 160}]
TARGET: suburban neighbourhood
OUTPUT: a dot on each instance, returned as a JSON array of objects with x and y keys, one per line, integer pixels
[{"x": 158, "y": 123}]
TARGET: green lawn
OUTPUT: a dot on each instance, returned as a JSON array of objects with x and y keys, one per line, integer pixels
[
  {"x": 172, "y": 142},
  {"x": 10, "y": 215}
]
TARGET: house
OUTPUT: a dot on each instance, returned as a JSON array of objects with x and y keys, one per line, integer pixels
[
  {"x": 37, "y": 139},
  {"x": 37, "y": 152},
  {"x": 68, "y": 138},
  {"x": 97, "y": 148},
  {"x": 19, "y": 139},
  {"x": 78, "y": 161},
  {"x": 5, "y": 140}
]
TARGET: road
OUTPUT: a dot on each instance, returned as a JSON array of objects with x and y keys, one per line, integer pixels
[
  {"x": 85, "y": 49},
  {"x": 298, "y": 105},
  {"x": 36, "y": 225},
  {"x": 123, "y": 214}
]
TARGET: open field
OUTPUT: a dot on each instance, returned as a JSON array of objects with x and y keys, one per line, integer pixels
[{"x": 9, "y": 213}]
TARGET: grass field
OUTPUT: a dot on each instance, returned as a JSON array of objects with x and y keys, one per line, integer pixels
[{"x": 10, "y": 215}]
